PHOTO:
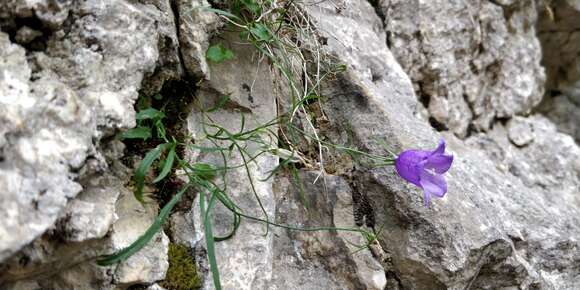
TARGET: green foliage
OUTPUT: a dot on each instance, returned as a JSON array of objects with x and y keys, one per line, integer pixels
[
  {"x": 144, "y": 167},
  {"x": 218, "y": 53},
  {"x": 167, "y": 164},
  {"x": 146, "y": 237},
  {"x": 182, "y": 273},
  {"x": 261, "y": 32},
  {"x": 136, "y": 133},
  {"x": 221, "y": 102},
  {"x": 277, "y": 32},
  {"x": 204, "y": 171}
]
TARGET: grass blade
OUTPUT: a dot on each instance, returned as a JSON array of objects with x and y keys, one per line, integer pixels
[
  {"x": 167, "y": 165},
  {"x": 149, "y": 113},
  {"x": 143, "y": 168},
  {"x": 209, "y": 241},
  {"x": 221, "y": 102},
  {"x": 219, "y": 12},
  {"x": 146, "y": 237},
  {"x": 136, "y": 133}
]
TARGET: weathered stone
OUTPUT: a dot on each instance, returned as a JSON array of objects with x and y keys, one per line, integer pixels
[
  {"x": 168, "y": 66},
  {"x": 325, "y": 259},
  {"x": 149, "y": 264},
  {"x": 37, "y": 150},
  {"x": 250, "y": 92},
  {"x": 155, "y": 287},
  {"x": 520, "y": 131},
  {"x": 493, "y": 229},
  {"x": 196, "y": 26},
  {"x": 470, "y": 62},
  {"x": 559, "y": 34},
  {"x": 564, "y": 113},
  {"x": 510, "y": 219},
  {"x": 59, "y": 96}
]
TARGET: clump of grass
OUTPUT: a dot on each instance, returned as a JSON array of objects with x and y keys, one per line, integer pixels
[{"x": 182, "y": 273}]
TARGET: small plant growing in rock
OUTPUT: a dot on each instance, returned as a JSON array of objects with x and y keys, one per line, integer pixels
[{"x": 277, "y": 32}]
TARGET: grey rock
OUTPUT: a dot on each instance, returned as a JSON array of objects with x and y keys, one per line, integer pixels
[
  {"x": 250, "y": 91},
  {"x": 60, "y": 178},
  {"x": 558, "y": 31},
  {"x": 564, "y": 113},
  {"x": 168, "y": 66},
  {"x": 493, "y": 229},
  {"x": 196, "y": 26},
  {"x": 155, "y": 287},
  {"x": 470, "y": 62},
  {"x": 322, "y": 259},
  {"x": 149, "y": 264},
  {"x": 98, "y": 200},
  {"x": 37, "y": 149},
  {"x": 520, "y": 131}
]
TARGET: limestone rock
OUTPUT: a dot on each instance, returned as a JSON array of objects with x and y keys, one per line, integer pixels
[
  {"x": 250, "y": 91},
  {"x": 322, "y": 259},
  {"x": 62, "y": 95},
  {"x": 470, "y": 62},
  {"x": 564, "y": 113},
  {"x": 149, "y": 264},
  {"x": 195, "y": 29},
  {"x": 520, "y": 131},
  {"x": 558, "y": 31},
  {"x": 493, "y": 229}
]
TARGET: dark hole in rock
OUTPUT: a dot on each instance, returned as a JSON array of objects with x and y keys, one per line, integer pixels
[
  {"x": 437, "y": 125},
  {"x": 29, "y": 32}
]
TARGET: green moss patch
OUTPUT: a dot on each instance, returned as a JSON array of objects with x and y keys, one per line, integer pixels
[{"x": 182, "y": 273}]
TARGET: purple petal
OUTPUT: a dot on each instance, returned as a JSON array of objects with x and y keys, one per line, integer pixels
[
  {"x": 409, "y": 165},
  {"x": 439, "y": 162},
  {"x": 433, "y": 184},
  {"x": 440, "y": 148}
]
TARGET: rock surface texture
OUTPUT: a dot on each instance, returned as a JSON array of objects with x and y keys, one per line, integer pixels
[{"x": 499, "y": 80}]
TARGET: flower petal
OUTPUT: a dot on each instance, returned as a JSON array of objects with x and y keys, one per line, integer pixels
[
  {"x": 439, "y": 162},
  {"x": 433, "y": 184},
  {"x": 440, "y": 148},
  {"x": 409, "y": 165}
]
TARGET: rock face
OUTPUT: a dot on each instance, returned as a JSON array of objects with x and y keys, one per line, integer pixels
[
  {"x": 470, "y": 61},
  {"x": 469, "y": 71},
  {"x": 558, "y": 32},
  {"x": 496, "y": 227},
  {"x": 69, "y": 75}
]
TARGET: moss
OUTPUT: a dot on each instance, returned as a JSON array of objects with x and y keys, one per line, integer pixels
[{"x": 182, "y": 273}]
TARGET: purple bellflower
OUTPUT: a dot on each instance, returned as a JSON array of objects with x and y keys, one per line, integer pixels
[{"x": 425, "y": 169}]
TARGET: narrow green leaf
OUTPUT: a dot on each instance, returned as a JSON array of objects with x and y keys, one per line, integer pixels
[
  {"x": 149, "y": 113},
  {"x": 209, "y": 241},
  {"x": 204, "y": 171},
  {"x": 146, "y": 237},
  {"x": 158, "y": 97},
  {"x": 298, "y": 184},
  {"x": 136, "y": 133},
  {"x": 143, "y": 168},
  {"x": 261, "y": 32},
  {"x": 207, "y": 149},
  {"x": 218, "y": 53},
  {"x": 167, "y": 165},
  {"x": 219, "y": 12},
  {"x": 221, "y": 102},
  {"x": 252, "y": 6}
]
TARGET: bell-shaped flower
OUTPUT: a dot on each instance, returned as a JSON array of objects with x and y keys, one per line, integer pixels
[{"x": 425, "y": 169}]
